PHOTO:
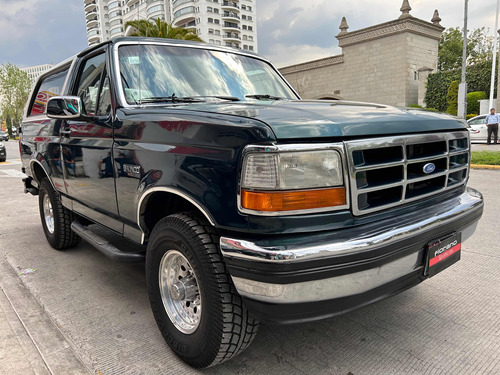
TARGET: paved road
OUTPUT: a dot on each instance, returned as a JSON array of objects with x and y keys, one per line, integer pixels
[{"x": 76, "y": 312}]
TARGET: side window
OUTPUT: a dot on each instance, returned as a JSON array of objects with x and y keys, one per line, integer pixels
[
  {"x": 50, "y": 86},
  {"x": 88, "y": 84}
]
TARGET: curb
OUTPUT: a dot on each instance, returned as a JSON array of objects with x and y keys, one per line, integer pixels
[{"x": 485, "y": 166}]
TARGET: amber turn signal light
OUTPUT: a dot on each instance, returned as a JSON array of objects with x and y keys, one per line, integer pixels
[{"x": 292, "y": 200}]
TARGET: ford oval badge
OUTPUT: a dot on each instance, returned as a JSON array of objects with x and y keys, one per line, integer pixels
[{"x": 429, "y": 168}]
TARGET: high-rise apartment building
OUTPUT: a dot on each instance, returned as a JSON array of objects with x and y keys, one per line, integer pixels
[
  {"x": 35, "y": 71},
  {"x": 228, "y": 23}
]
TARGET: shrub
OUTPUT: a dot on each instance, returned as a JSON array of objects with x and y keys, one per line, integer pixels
[
  {"x": 452, "y": 98},
  {"x": 414, "y": 106},
  {"x": 432, "y": 109},
  {"x": 473, "y": 101},
  {"x": 478, "y": 79},
  {"x": 471, "y": 116}
]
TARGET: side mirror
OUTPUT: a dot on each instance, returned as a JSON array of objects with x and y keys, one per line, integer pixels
[{"x": 64, "y": 107}]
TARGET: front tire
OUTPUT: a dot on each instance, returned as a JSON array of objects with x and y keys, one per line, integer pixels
[
  {"x": 56, "y": 219},
  {"x": 195, "y": 304}
]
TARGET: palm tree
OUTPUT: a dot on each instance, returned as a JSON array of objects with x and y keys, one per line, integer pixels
[{"x": 160, "y": 29}]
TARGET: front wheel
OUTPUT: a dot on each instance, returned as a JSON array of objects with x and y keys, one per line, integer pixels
[{"x": 195, "y": 304}]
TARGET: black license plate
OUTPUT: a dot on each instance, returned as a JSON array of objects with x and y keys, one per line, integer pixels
[{"x": 442, "y": 253}]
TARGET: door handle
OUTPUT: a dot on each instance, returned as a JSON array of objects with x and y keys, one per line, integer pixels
[{"x": 66, "y": 133}]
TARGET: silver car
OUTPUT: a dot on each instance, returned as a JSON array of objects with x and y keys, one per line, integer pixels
[{"x": 478, "y": 129}]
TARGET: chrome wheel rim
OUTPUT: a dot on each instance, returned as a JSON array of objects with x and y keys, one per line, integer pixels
[
  {"x": 179, "y": 291},
  {"x": 48, "y": 213}
]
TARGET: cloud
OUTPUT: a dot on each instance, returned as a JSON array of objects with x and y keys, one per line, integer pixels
[{"x": 34, "y": 32}]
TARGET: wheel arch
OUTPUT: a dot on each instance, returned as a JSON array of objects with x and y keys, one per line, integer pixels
[
  {"x": 39, "y": 172},
  {"x": 160, "y": 202}
]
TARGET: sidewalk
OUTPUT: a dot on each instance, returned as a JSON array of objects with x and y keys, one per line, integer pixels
[{"x": 30, "y": 343}]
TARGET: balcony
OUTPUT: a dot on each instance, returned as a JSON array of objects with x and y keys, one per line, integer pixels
[
  {"x": 90, "y": 28},
  {"x": 92, "y": 22},
  {"x": 88, "y": 1},
  {"x": 91, "y": 15},
  {"x": 180, "y": 3},
  {"x": 131, "y": 2},
  {"x": 229, "y": 26},
  {"x": 231, "y": 16},
  {"x": 184, "y": 15},
  {"x": 90, "y": 6},
  {"x": 155, "y": 9},
  {"x": 231, "y": 37},
  {"x": 230, "y": 5}
]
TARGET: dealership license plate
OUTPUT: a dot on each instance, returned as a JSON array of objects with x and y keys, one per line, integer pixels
[{"x": 442, "y": 253}]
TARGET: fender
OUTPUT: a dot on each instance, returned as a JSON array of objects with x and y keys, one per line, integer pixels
[{"x": 174, "y": 191}]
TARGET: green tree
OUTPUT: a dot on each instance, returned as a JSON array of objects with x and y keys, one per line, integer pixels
[
  {"x": 161, "y": 29},
  {"x": 452, "y": 98},
  {"x": 479, "y": 47},
  {"x": 15, "y": 87},
  {"x": 473, "y": 104}
]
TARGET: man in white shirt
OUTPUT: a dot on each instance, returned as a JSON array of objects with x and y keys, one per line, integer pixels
[{"x": 492, "y": 121}]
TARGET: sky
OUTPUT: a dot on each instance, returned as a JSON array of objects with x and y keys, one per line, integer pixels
[{"x": 34, "y": 32}]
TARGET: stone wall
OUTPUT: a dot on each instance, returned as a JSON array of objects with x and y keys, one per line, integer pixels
[{"x": 387, "y": 63}]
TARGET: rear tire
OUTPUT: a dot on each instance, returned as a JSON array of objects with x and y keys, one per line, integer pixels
[
  {"x": 56, "y": 219},
  {"x": 201, "y": 316}
]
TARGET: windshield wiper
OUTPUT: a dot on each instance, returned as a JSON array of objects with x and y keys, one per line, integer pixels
[
  {"x": 223, "y": 97},
  {"x": 169, "y": 99},
  {"x": 263, "y": 96}
]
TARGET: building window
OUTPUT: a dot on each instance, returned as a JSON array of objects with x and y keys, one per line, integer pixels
[
  {"x": 243, "y": 6},
  {"x": 216, "y": 10},
  {"x": 245, "y": 46},
  {"x": 217, "y": 32},
  {"x": 250, "y": 48},
  {"x": 209, "y": 9},
  {"x": 217, "y": 22},
  {"x": 250, "y": 28},
  {"x": 249, "y": 8},
  {"x": 210, "y": 31},
  {"x": 210, "y": 20},
  {"x": 244, "y": 37},
  {"x": 244, "y": 27},
  {"x": 249, "y": 18},
  {"x": 243, "y": 17}
]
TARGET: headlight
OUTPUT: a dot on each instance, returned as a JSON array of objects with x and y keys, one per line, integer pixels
[{"x": 284, "y": 181}]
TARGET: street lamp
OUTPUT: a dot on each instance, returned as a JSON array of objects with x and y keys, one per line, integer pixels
[
  {"x": 492, "y": 86},
  {"x": 462, "y": 88}
]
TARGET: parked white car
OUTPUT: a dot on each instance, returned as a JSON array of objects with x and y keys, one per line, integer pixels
[{"x": 478, "y": 129}]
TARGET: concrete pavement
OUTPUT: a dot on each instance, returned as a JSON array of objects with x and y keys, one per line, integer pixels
[{"x": 96, "y": 313}]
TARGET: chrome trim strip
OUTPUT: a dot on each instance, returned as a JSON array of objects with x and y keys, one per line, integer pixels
[
  {"x": 116, "y": 63},
  {"x": 172, "y": 191},
  {"x": 356, "y": 239},
  {"x": 339, "y": 147},
  {"x": 403, "y": 141},
  {"x": 33, "y": 161}
]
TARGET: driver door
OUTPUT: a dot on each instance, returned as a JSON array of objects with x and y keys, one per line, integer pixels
[{"x": 86, "y": 147}]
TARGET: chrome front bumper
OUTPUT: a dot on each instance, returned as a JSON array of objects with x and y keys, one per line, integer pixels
[{"x": 366, "y": 243}]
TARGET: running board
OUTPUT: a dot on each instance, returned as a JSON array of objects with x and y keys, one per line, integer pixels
[{"x": 104, "y": 246}]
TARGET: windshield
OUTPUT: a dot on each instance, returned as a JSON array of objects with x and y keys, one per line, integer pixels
[{"x": 156, "y": 71}]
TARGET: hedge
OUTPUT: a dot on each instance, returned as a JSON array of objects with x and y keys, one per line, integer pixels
[{"x": 478, "y": 79}]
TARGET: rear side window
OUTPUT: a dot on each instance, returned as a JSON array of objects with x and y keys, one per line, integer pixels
[{"x": 50, "y": 86}]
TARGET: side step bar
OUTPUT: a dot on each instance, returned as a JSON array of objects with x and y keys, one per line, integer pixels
[{"x": 104, "y": 246}]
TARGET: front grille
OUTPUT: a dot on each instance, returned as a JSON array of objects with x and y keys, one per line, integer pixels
[{"x": 387, "y": 172}]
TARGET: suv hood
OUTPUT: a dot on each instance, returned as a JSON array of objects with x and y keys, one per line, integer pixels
[{"x": 317, "y": 119}]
